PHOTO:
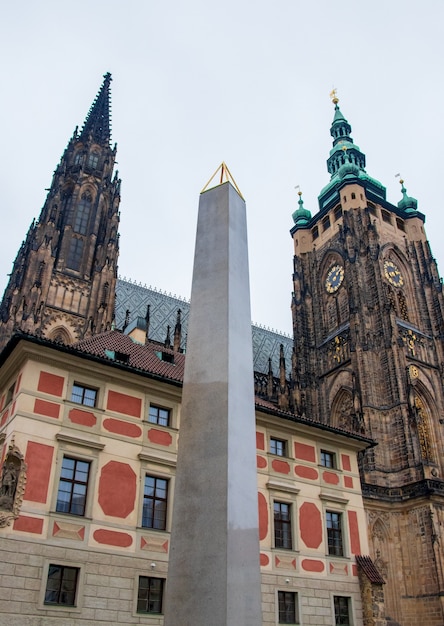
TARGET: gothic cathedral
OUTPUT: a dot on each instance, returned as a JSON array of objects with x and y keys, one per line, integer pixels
[
  {"x": 62, "y": 284},
  {"x": 368, "y": 357},
  {"x": 368, "y": 324}
]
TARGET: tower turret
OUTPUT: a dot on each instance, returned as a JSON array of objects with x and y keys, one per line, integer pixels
[{"x": 62, "y": 285}]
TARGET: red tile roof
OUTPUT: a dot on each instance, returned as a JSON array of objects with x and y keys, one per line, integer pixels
[{"x": 147, "y": 357}]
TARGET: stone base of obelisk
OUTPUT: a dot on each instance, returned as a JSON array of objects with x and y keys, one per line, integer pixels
[{"x": 213, "y": 572}]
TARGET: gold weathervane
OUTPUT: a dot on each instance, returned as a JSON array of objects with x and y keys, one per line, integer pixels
[
  {"x": 225, "y": 177},
  {"x": 334, "y": 96}
]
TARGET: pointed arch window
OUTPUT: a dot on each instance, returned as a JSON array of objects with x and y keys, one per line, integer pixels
[
  {"x": 93, "y": 160},
  {"x": 75, "y": 254},
  {"x": 82, "y": 214}
]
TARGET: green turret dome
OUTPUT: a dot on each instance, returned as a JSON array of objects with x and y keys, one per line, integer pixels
[
  {"x": 301, "y": 215},
  {"x": 407, "y": 203}
]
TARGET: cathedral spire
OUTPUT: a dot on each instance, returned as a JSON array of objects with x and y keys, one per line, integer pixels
[
  {"x": 344, "y": 150},
  {"x": 98, "y": 123},
  {"x": 66, "y": 271}
]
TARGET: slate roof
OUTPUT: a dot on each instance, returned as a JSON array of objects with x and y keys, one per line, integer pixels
[
  {"x": 370, "y": 569},
  {"x": 163, "y": 311}
]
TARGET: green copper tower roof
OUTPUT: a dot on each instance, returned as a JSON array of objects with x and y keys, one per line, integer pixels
[
  {"x": 407, "y": 203},
  {"x": 302, "y": 215},
  {"x": 346, "y": 162}
]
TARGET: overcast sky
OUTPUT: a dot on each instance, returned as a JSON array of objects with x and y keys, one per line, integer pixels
[{"x": 200, "y": 82}]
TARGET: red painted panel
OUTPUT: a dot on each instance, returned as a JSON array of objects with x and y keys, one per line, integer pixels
[
  {"x": 264, "y": 560},
  {"x": 280, "y": 466},
  {"x": 354, "y": 569},
  {"x": 310, "y": 565},
  {"x": 310, "y": 524},
  {"x": 84, "y": 418},
  {"x": 39, "y": 461},
  {"x": 346, "y": 464},
  {"x": 260, "y": 441},
  {"x": 122, "y": 403},
  {"x": 348, "y": 482},
  {"x": 261, "y": 462},
  {"x": 330, "y": 478},
  {"x": 306, "y": 472},
  {"x": 117, "y": 489},
  {"x": 50, "y": 383},
  {"x": 122, "y": 428},
  {"x": 160, "y": 436},
  {"x": 49, "y": 409},
  {"x": 13, "y": 408},
  {"x": 113, "y": 538},
  {"x": 4, "y": 417},
  {"x": 305, "y": 452},
  {"x": 17, "y": 384},
  {"x": 355, "y": 543},
  {"x": 29, "y": 524},
  {"x": 263, "y": 516}
]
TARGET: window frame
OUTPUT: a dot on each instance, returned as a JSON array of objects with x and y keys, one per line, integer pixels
[
  {"x": 156, "y": 418},
  {"x": 55, "y": 609},
  {"x": 63, "y": 605},
  {"x": 84, "y": 388},
  {"x": 282, "y": 528},
  {"x": 349, "y": 616},
  {"x": 155, "y": 500},
  {"x": 75, "y": 254},
  {"x": 73, "y": 483},
  {"x": 137, "y": 594},
  {"x": 335, "y": 536},
  {"x": 327, "y": 456},
  {"x": 274, "y": 449},
  {"x": 281, "y": 619}
]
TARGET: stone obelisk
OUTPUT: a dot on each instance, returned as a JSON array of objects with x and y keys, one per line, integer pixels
[{"x": 213, "y": 572}]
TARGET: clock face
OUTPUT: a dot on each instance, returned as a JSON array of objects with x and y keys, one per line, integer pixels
[
  {"x": 392, "y": 273},
  {"x": 334, "y": 278}
]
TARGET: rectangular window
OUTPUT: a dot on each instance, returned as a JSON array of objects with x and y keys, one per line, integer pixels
[
  {"x": 10, "y": 394},
  {"x": 386, "y": 217},
  {"x": 288, "y": 608},
  {"x": 83, "y": 395},
  {"x": 328, "y": 459},
  {"x": 342, "y": 611},
  {"x": 400, "y": 224},
  {"x": 75, "y": 254},
  {"x": 93, "y": 160},
  {"x": 149, "y": 598},
  {"x": 314, "y": 233},
  {"x": 159, "y": 416},
  {"x": 326, "y": 222},
  {"x": 278, "y": 446},
  {"x": 282, "y": 525},
  {"x": 61, "y": 586},
  {"x": 155, "y": 497},
  {"x": 73, "y": 486},
  {"x": 337, "y": 212},
  {"x": 334, "y": 533}
]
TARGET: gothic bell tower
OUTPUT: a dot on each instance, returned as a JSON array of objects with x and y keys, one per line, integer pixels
[
  {"x": 62, "y": 284},
  {"x": 369, "y": 357}
]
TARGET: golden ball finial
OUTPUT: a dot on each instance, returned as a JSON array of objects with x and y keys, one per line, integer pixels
[
  {"x": 299, "y": 193},
  {"x": 334, "y": 96}
]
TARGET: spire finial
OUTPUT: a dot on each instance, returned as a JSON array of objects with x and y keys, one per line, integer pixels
[
  {"x": 98, "y": 122},
  {"x": 334, "y": 96}
]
